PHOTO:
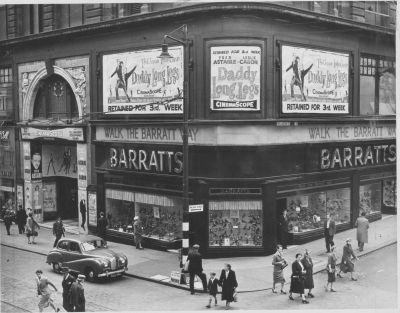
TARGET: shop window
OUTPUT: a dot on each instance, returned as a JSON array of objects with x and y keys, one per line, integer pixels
[
  {"x": 308, "y": 212},
  {"x": 160, "y": 216},
  {"x": 235, "y": 223},
  {"x": 377, "y": 86},
  {"x": 389, "y": 193},
  {"x": 370, "y": 198}
]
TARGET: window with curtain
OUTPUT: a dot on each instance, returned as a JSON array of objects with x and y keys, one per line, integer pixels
[{"x": 377, "y": 86}]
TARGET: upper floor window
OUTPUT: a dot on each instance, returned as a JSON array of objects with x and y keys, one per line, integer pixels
[
  {"x": 55, "y": 100},
  {"x": 377, "y": 12},
  {"x": 6, "y": 91},
  {"x": 377, "y": 86},
  {"x": 5, "y": 75}
]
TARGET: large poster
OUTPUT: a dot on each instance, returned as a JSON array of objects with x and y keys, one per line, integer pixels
[
  {"x": 49, "y": 197},
  {"x": 138, "y": 82},
  {"x": 235, "y": 78},
  {"x": 92, "y": 208},
  {"x": 59, "y": 161},
  {"x": 314, "y": 81},
  {"x": 36, "y": 162},
  {"x": 26, "y": 147}
]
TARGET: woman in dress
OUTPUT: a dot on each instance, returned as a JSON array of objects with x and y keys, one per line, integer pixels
[
  {"x": 331, "y": 268},
  {"x": 31, "y": 228},
  {"x": 279, "y": 264},
  {"x": 308, "y": 266},
  {"x": 347, "y": 264},
  {"x": 297, "y": 281},
  {"x": 228, "y": 282}
]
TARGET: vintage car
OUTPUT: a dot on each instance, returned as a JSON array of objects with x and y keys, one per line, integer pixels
[{"x": 87, "y": 255}]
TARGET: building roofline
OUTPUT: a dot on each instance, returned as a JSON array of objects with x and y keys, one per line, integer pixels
[{"x": 278, "y": 10}]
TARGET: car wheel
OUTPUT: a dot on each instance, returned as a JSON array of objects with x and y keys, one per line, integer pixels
[
  {"x": 57, "y": 267},
  {"x": 90, "y": 274}
]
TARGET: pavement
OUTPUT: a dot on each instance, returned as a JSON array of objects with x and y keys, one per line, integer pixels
[{"x": 253, "y": 273}]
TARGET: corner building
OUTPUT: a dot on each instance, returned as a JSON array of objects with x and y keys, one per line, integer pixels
[{"x": 291, "y": 105}]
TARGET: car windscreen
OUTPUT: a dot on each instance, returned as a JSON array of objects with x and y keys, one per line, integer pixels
[{"x": 88, "y": 246}]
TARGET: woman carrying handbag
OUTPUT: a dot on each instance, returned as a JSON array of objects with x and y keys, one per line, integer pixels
[
  {"x": 31, "y": 228},
  {"x": 229, "y": 284},
  {"x": 331, "y": 268}
]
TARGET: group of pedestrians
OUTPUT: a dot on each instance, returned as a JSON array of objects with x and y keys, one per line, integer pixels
[
  {"x": 302, "y": 267},
  {"x": 73, "y": 292},
  {"x": 227, "y": 279}
]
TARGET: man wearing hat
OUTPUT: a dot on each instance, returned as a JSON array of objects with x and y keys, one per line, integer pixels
[
  {"x": 196, "y": 268},
  {"x": 78, "y": 295},
  {"x": 68, "y": 279},
  {"x": 102, "y": 225},
  {"x": 137, "y": 232}
]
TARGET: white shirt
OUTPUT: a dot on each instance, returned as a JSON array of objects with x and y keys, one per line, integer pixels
[
  {"x": 301, "y": 264},
  {"x": 226, "y": 273},
  {"x": 327, "y": 223}
]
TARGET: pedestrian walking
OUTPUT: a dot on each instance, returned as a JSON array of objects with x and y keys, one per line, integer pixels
[
  {"x": 279, "y": 264},
  {"x": 347, "y": 264},
  {"x": 283, "y": 229},
  {"x": 58, "y": 230},
  {"x": 82, "y": 209},
  {"x": 8, "y": 220},
  {"x": 44, "y": 292},
  {"x": 21, "y": 219},
  {"x": 67, "y": 282},
  {"x": 229, "y": 284},
  {"x": 329, "y": 231},
  {"x": 297, "y": 279},
  {"x": 362, "y": 225},
  {"x": 31, "y": 228},
  {"x": 196, "y": 268},
  {"x": 212, "y": 286},
  {"x": 137, "y": 232},
  {"x": 331, "y": 269},
  {"x": 309, "y": 267},
  {"x": 102, "y": 225},
  {"x": 77, "y": 293}
]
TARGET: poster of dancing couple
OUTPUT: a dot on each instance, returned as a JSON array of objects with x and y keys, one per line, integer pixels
[{"x": 314, "y": 81}]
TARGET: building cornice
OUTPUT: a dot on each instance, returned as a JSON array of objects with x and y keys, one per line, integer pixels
[{"x": 271, "y": 9}]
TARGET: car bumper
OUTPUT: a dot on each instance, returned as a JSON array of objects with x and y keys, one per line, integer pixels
[{"x": 113, "y": 273}]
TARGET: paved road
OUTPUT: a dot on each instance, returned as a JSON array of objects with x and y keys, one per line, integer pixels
[{"x": 376, "y": 288}]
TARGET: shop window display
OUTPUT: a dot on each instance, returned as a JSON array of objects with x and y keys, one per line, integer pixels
[
  {"x": 370, "y": 198},
  {"x": 307, "y": 212},
  {"x": 160, "y": 217},
  {"x": 389, "y": 193},
  {"x": 235, "y": 223}
]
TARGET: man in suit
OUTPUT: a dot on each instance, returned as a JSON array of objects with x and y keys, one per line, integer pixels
[
  {"x": 196, "y": 268},
  {"x": 283, "y": 229},
  {"x": 78, "y": 295},
  {"x": 329, "y": 231},
  {"x": 67, "y": 282},
  {"x": 102, "y": 226}
]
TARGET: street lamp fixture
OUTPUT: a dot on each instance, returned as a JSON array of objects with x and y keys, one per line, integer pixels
[{"x": 186, "y": 43}]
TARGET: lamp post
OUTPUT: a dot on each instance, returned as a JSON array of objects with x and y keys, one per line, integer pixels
[{"x": 186, "y": 43}]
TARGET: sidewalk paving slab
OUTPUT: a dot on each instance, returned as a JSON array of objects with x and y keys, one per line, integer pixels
[{"x": 253, "y": 273}]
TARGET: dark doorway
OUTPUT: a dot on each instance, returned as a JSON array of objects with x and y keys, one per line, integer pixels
[{"x": 68, "y": 197}]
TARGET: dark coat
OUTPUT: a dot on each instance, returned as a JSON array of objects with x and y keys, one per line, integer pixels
[
  {"x": 58, "y": 229},
  {"x": 283, "y": 223},
  {"x": 297, "y": 282},
  {"x": 228, "y": 285},
  {"x": 347, "y": 264},
  {"x": 332, "y": 228},
  {"x": 66, "y": 285},
  {"x": 77, "y": 297},
  {"x": 21, "y": 217},
  {"x": 102, "y": 225},
  {"x": 362, "y": 225},
  {"x": 308, "y": 278},
  {"x": 195, "y": 262},
  {"x": 213, "y": 286}
]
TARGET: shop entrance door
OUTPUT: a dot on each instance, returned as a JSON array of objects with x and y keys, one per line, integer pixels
[{"x": 68, "y": 197}]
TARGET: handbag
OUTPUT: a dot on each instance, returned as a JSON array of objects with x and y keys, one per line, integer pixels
[
  {"x": 35, "y": 233},
  {"x": 235, "y": 296},
  {"x": 186, "y": 266},
  {"x": 284, "y": 265}
]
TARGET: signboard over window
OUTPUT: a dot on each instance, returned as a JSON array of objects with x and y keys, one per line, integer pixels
[
  {"x": 235, "y": 78},
  {"x": 314, "y": 81},
  {"x": 138, "y": 82}
]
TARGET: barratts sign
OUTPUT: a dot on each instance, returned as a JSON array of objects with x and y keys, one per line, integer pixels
[
  {"x": 138, "y": 82},
  {"x": 314, "y": 81},
  {"x": 235, "y": 78}
]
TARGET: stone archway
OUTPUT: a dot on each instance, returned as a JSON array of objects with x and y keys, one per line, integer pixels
[{"x": 29, "y": 99}]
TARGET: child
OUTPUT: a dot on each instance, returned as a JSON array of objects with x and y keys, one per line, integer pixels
[{"x": 213, "y": 289}]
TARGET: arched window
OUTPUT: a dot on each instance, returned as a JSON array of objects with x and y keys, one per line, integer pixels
[{"x": 55, "y": 99}]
